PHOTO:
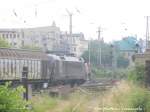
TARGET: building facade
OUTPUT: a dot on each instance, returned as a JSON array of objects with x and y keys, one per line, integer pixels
[
  {"x": 13, "y": 36},
  {"x": 47, "y": 38},
  {"x": 78, "y": 44}
]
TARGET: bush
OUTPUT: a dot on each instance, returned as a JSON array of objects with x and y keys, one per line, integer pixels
[
  {"x": 136, "y": 74},
  {"x": 43, "y": 103},
  {"x": 140, "y": 98},
  {"x": 11, "y": 99},
  {"x": 128, "y": 96},
  {"x": 106, "y": 73}
]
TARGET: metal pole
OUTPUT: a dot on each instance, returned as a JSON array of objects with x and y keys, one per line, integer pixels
[
  {"x": 99, "y": 39},
  {"x": 147, "y": 32},
  {"x": 100, "y": 54},
  {"x": 70, "y": 28},
  {"x": 114, "y": 57},
  {"x": 25, "y": 81},
  {"x": 89, "y": 52}
]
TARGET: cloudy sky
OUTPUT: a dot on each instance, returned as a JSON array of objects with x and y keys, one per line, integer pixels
[{"x": 117, "y": 18}]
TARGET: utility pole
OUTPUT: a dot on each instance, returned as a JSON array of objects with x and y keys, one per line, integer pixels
[
  {"x": 89, "y": 47},
  {"x": 147, "y": 32},
  {"x": 70, "y": 30},
  {"x": 22, "y": 30},
  {"x": 114, "y": 56},
  {"x": 100, "y": 49},
  {"x": 25, "y": 81}
]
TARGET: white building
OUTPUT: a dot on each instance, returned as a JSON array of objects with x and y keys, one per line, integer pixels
[
  {"x": 13, "y": 36},
  {"x": 79, "y": 44},
  {"x": 47, "y": 38}
]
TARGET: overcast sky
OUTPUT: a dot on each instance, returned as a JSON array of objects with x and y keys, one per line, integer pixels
[{"x": 114, "y": 16}]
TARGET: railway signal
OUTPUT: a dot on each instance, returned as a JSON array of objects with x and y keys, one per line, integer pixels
[{"x": 25, "y": 81}]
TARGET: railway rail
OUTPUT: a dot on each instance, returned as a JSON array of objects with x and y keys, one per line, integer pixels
[{"x": 89, "y": 87}]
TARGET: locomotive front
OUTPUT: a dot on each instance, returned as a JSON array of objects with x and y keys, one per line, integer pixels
[{"x": 68, "y": 70}]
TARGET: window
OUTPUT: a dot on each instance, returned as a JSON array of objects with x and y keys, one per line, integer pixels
[
  {"x": 10, "y": 35},
  {"x": 6, "y": 35},
  {"x": 3, "y": 35},
  {"x": 18, "y": 35},
  {"x": 15, "y": 43},
  {"x": 14, "y": 35}
]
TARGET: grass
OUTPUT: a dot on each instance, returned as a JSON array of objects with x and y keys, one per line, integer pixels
[
  {"x": 124, "y": 96},
  {"x": 128, "y": 96},
  {"x": 42, "y": 103}
]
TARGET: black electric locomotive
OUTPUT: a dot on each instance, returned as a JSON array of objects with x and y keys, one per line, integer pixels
[{"x": 42, "y": 67}]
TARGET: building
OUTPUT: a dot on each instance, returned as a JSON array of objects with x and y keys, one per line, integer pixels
[
  {"x": 128, "y": 46},
  {"x": 78, "y": 46},
  {"x": 47, "y": 37},
  {"x": 13, "y": 36}
]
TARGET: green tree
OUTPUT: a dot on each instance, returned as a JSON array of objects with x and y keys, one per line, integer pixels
[
  {"x": 4, "y": 43},
  {"x": 137, "y": 74},
  {"x": 31, "y": 47},
  {"x": 11, "y": 99},
  {"x": 106, "y": 56},
  {"x": 122, "y": 62}
]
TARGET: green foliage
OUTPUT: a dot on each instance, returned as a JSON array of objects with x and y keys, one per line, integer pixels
[
  {"x": 110, "y": 73},
  {"x": 102, "y": 73},
  {"x": 94, "y": 52},
  {"x": 139, "y": 98},
  {"x": 11, "y": 99},
  {"x": 122, "y": 62},
  {"x": 137, "y": 74},
  {"x": 31, "y": 47},
  {"x": 127, "y": 96},
  {"x": 43, "y": 103},
  {"x": 4, "y": 43},
  {"x": 107, "y": 55}
]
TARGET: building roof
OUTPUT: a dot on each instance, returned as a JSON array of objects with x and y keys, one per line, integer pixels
[
  {"x": 126, "y": 44},
  {"x": 80, "y": 35},
  {"x": 22, "y": 54}
]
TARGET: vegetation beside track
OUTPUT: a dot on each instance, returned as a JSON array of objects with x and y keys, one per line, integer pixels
[
  {"x": 11, "y": 99},
  {"x": 125, "y": 95},
  {"x": 129, "y": 94}
]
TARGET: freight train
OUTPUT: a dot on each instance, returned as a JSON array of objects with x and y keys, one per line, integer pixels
[{"x": 42, "y": 67}]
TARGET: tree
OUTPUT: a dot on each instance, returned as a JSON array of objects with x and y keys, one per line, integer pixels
[
  {"x": 137, "y": 74},
  {"x": 31, "y": 47},
  {"x": 122, "y": 62},
  {"x": 106, "y": 56},
  {"x": 11, "y": 99},
  {"x": 4, "y": 43}
]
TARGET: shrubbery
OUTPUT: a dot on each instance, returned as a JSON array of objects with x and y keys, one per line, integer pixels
[
  {"x": 137, "y": 74},
  {"x": 128, "y": 96},
  {"x": 11, "y": 99},
  {"x": 43, "y": 103},
  {"x": 106, "y": 73}
]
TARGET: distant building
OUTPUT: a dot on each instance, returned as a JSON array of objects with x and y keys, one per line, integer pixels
[
  {"x": 78, "y": 46},
  {"x": 13, "y": 36},
  {"x": 128, "y": 46},
  {"x": 47, "y": 38}
]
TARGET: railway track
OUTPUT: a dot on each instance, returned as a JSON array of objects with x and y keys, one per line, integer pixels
[{"x": 89, "y": 87}]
